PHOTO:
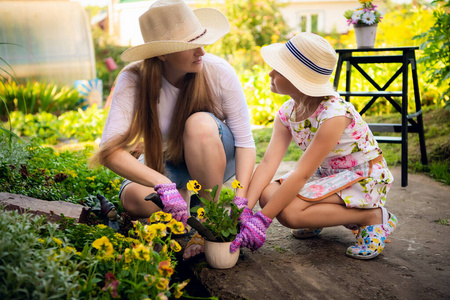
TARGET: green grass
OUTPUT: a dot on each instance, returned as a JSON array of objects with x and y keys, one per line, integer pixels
[
  {"x": 443, "y": 221},
  {"x": 437, "y": 141}
]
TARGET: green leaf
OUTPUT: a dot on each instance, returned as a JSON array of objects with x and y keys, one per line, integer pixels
[{"x": 194, "y": 209}]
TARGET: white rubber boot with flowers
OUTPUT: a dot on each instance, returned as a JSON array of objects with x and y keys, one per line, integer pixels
[{"x": 370, "y": 240}]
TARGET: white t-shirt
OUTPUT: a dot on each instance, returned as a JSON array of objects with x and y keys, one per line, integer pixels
[{"x": 223, "y": 82}]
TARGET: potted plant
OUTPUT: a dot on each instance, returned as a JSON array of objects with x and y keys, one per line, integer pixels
[
  {"x": 364, "y": 19},
  {"x": 220, "y": 218}
]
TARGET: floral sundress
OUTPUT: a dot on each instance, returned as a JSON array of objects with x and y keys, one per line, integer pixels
[{"x": 354, "y": 169}]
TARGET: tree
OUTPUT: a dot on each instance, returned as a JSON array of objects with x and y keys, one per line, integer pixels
[
  {"x": 437, "y": 50},
  {"x": 254, "y": 23}
]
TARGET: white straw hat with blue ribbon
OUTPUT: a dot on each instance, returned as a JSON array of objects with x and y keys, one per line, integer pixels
[
  {"x": 307, "y": 60},
  {"x": 170, "y": 26}
]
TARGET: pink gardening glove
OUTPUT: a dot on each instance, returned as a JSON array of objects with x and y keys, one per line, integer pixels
[
  {"x": 253, "y": 233},
  {"x": 173, "y": 202},
  {"x": 247, "y": 213}
]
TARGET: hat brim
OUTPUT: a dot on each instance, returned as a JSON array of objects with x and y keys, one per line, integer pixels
[
  {"x": 275, "y": 56},
  {"x": 215, "y": 23}
]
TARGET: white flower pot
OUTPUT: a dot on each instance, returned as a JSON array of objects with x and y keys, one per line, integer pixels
[
  {"x": 218, "y": 255},
  {"x": 365, "y": 35}
]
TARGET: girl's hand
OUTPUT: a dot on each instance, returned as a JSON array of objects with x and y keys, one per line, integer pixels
[
  {"x": 247, "y": 213},
  {"x": 253, "y": 233},
  {"x": 173, "y": 201}
]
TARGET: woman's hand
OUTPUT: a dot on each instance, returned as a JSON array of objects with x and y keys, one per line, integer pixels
[{"x": 173, "y": 202}]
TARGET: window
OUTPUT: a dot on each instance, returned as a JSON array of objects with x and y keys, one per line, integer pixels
[{"x": 310, "y": 22}]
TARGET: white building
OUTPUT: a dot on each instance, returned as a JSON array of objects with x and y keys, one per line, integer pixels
[{"x": 323, "y": 16}]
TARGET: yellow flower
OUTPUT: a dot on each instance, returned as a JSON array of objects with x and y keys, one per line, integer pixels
[
  {"x": 128, "y": 255},
  {"x": 176, "y": 227},
  {"x": 175, "y": 246},
  {"x": 161, "y": 296},
  {"x": 201, "y": 213},
  {"x": 42, "y": 241},
  {"x": 147, "y": 233},
  {"x": 164, "y": 217},
  {"x": 159, "y": 228},
  {"x": 57, "y": 241},
  {"x": 119, "y": 236},
  {"x": 103, "y": 244},
  {"x": 70, "y": 250},
  {"x": 153, "y": 218},
  {"x": 274, "y": 38},
  {"x": 149, "y": 279},
  {"x": 160, "y": 216},
  {"x": 165, "y": 269},
  {"x": 236, "y": 184},
  {"x": 141, "y": 252},
  {"x": 101, "y": 226},
  {"x": 194, "y": 186},
  {"x": 178, "y": 287},
  {"x": 162, "y": 284}
]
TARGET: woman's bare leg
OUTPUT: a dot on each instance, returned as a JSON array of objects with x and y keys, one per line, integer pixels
[
  {"x": 205, "y": 158},
  {"x": 134, "y": 203},
  {"x": 133, "y": 200},
  {"x": 203, "y": 150}
]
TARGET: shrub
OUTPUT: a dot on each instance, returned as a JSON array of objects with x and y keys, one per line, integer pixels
[
  {"x": 31, "y": 268},
  {"x": 82, "y": 125},
  {"x": 41, "y": 260},
  {"x": 36, "y": 97},
  {"x": 41, "y": 172}
]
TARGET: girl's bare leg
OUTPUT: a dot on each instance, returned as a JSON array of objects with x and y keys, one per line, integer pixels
[{"x": 328, "y": 212}]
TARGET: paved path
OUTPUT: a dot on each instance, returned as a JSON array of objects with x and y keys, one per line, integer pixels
[{"x": 415, "y": 265}]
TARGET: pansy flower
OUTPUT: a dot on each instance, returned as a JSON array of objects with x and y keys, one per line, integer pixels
[
  {"x": 103, "y": 245},
  {"x": 194, "y": 186},
  {"x": 201, "y": 213}
]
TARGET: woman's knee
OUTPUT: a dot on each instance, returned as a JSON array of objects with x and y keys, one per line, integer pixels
[{"x": 200, "y": 127}]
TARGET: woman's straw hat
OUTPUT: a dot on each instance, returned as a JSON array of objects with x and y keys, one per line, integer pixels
[
  {"x": 306, "y": 60},
  {"x": 171, "y": 26}
]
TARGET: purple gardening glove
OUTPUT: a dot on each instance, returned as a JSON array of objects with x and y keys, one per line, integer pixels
[
  {"x": 247, "y": 213},
  {"x": 173, "y": 202},
  {"x": 253, "y": 233}
]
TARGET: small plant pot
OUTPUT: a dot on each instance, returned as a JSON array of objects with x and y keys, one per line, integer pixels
[
  {"x": 218, "y": 255},
  {"x": 365, "y": 35}
]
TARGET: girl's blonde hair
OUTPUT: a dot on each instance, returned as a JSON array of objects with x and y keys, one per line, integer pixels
[{"x": 195, "y": 95}]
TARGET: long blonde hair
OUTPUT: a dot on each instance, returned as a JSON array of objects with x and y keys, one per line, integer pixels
[{"x": 195, "y": 95}]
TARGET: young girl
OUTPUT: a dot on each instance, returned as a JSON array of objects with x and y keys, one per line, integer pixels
[
  {"x": 176, "y": 114},
  {"x": 341, "y": 178}
]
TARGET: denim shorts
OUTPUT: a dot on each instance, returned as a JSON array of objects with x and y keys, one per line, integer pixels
[{"x": 179, "y": 174}]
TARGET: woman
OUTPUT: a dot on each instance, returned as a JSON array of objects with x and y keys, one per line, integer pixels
[{"x": 177, "y": 114}]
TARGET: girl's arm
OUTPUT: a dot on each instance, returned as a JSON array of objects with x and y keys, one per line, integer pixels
[
  {"x": 279, "y": 142},
  {"x": 245, "y": 163},
  {"x": 325, "y": 140}
]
